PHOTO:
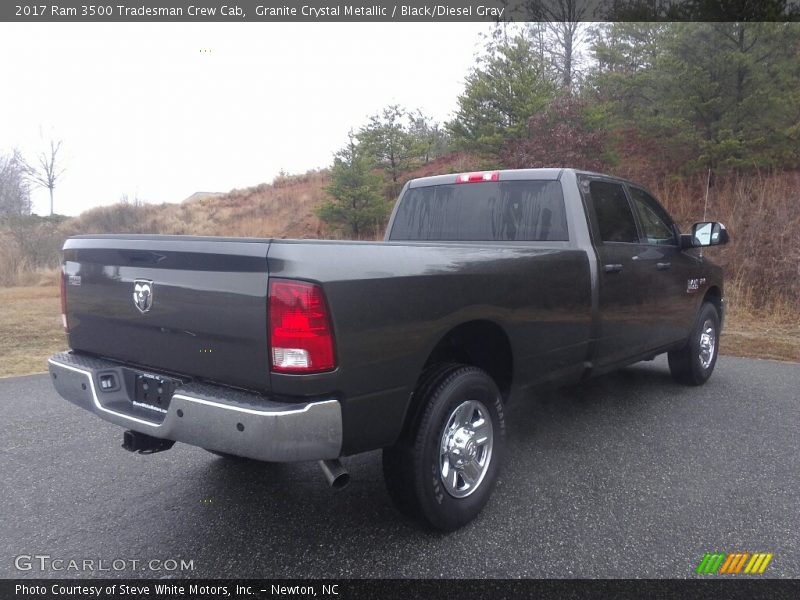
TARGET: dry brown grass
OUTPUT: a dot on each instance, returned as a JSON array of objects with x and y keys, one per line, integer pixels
[
  {"x": 771, "y": 333},
  {"x": 28, "y": 253},
  {"x": 30, "y": 329},
  {"x": 762, "y": 214}
]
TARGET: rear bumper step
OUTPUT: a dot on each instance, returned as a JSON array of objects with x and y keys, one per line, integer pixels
[{"x": 212, "y": 417}]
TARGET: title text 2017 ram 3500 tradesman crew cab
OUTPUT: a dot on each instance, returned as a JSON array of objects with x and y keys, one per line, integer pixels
[{"x": 289, "y": 350}]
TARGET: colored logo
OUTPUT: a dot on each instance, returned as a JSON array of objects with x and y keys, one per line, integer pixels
[{"x": 735, "y": 563}]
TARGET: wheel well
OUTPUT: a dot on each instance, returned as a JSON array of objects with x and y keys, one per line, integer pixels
[
  {"x": 714, "y": 295},
  {"x": 481, "y": 344}
]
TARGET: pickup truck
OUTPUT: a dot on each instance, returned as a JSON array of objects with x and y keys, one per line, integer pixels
[{"x": 486, "y": 286}]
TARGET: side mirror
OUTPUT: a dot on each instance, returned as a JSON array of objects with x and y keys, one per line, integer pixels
[{"x": 709, "y": 233}]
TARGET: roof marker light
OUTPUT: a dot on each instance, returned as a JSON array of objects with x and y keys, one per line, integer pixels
[{"x": 478, "y": 177}]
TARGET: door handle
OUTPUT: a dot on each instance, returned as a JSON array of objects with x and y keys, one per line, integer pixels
[
  {"x": 612, "y": 268},
  {"x": 663, "y": 266}
]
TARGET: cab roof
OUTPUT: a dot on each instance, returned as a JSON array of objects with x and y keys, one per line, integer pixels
[{"x": 545, "y": 174}]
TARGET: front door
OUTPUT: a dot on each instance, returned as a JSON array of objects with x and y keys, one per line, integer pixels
[{"x": 669, "y": 269}]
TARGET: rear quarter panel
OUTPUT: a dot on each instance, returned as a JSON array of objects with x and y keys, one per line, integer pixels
[{"x": 391, "y": 303}]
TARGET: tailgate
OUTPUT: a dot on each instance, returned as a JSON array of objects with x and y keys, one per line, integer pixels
[{"x": 190, "y": 305}]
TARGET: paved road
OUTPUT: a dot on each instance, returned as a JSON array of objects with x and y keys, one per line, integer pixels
[{"x": 628, "y": 475}]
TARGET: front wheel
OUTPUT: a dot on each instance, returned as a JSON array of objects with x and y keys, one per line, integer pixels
[
  {"x": 444, "y": 469},
  {"x": 694, "y": 363}
]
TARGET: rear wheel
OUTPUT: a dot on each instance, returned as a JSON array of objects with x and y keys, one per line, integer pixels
[
  {"x": 694, "y": 363},
  {"x": 444, "y": 468}
]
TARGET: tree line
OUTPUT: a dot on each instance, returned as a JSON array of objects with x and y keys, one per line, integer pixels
[{"x": 679, "y": 97}]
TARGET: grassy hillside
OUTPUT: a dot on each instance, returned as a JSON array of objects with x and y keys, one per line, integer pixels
[
  {"x": 761, "y": 210},
  {"x": 29, "y": 246},
  {"x": 284, "y": 208}
]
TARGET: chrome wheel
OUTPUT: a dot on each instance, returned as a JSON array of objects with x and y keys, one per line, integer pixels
[
  {"x": 708, "y": 343},
  {"x": 465, "y": 448}
]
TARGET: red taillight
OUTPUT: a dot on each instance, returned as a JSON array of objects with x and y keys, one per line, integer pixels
[
  {"x": 63, "y": 279},
  {"x": 301, "y": 337},
  {"x": 478, "y": 177}
]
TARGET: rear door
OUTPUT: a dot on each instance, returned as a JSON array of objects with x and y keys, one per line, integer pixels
[
  {"x": 626, "y": 308},
  {"x": 187, "y": 305}
]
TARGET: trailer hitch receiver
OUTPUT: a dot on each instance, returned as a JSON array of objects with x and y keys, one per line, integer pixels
[{"x": 133, "y": 441}]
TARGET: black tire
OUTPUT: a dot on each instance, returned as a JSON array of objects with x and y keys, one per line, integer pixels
[
  {"x": 413, "y": 468},
  {"x": 686, "y": 365},
  {"x": 397, "y": 469}
]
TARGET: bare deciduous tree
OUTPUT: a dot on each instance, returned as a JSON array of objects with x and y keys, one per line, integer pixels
[
  {"x": 47, "y": 171},
  {"x": 15, "y": 197},
  {"x": 563, "y": 34}
]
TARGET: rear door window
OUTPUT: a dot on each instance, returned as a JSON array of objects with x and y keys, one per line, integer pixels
[
  {"x": 485, "y": 211},
  {"x": 613, "y": 212}
]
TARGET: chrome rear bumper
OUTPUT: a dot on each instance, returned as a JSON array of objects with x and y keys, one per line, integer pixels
[{"x": 212, "y": 417}]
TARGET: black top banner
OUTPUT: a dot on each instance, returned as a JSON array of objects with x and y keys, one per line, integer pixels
[{"x": 408, "y": 10}]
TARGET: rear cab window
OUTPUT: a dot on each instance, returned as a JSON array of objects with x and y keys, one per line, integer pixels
[{"x": 529, "y": 210}]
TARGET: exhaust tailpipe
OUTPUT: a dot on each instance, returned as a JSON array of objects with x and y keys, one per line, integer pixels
[{"x": 335, "y": 473}]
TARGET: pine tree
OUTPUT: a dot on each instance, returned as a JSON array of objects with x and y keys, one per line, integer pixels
[
  {"x": 358, "y": 206},
  {"x": 509, "y": 85},
  {"x": 387, "y": 141}
]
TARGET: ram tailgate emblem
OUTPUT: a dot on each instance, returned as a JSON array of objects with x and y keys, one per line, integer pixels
[{"x": 143, "y": 295}]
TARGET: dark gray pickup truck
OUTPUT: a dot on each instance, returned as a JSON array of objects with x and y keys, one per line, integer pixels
[{"x": 486, "y": 285}]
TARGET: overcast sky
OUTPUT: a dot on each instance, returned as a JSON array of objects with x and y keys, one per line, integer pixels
[{"x": 161, "y": 111}]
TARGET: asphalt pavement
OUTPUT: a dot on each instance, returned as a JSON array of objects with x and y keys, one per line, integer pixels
[{"x": 628, "y": 475}]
